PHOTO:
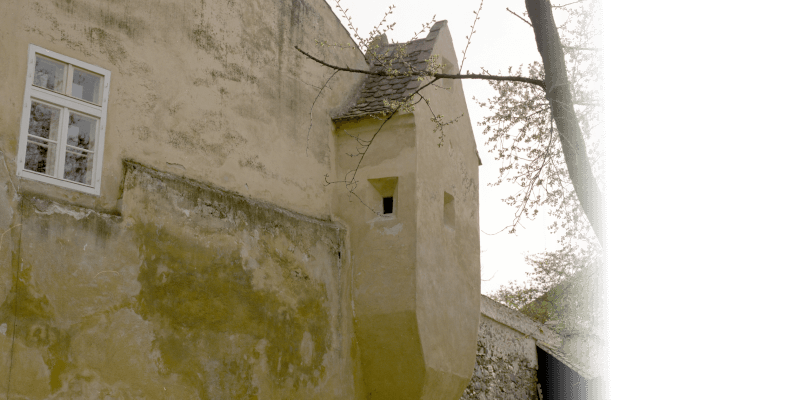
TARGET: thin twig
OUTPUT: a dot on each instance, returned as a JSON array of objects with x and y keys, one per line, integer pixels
[
  {"x": 351, "y": 183},
  {"x": 469, "y": 38},
  {"x": 581, "y": 48},
  {"x": 520, "y": 17},
  {"x": 568, "y": 4},
  {"x": 489, "y": 77},
  {"x": 311, "y": 113}
]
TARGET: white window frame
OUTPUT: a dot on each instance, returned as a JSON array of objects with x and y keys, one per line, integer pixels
[{"x": 66, "y": 103}]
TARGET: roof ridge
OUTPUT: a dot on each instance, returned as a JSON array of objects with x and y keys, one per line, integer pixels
[{"x": 376, "y": 89}]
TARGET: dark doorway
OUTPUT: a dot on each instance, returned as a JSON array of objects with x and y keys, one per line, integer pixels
[{"x": 559, "y": 382}]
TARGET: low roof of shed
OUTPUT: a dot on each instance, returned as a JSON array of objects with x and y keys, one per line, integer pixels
[{"x": 566, "y": 360}]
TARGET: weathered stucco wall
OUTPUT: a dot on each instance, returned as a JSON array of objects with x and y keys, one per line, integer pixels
[
  {"x": 506, "y": 364},
  {"x": 383, "y": 254},
  {"x": 212, "y": 90},
  {"x": 163, "y": 287},
  {"x": 208, "y": 266},
  {"x": 448, "y": 252},
  {"x": 192, "y": 292},
  {"x": 416, "y": 274}
]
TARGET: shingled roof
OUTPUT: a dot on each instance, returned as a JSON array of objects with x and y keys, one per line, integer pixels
[{"x": 375, "y": 89}]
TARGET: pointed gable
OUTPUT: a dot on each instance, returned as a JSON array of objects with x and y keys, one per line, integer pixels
[{"x": 404, "y": 57}]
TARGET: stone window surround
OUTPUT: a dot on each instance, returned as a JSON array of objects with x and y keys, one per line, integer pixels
[{"x": 67, "y": 104}]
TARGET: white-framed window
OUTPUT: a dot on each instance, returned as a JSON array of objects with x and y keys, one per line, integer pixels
[{"x": 63, "y": 121}]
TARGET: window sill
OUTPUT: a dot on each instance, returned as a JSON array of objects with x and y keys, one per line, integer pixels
[{"x": 62, "y": 183}]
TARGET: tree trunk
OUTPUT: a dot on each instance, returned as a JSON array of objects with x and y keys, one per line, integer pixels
[
  {"x": 556, "y": 87},
  {"x": 560, "y": 97}
]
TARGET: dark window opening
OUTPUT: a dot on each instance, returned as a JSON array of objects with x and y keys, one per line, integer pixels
[
  {"x": 449, "y": 211},
  {"x": 388, "y": 205},
  {"x": 560, "y": 382}
]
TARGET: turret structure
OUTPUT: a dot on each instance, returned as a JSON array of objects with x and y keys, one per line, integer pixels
[{"x": 413, "y": 226}]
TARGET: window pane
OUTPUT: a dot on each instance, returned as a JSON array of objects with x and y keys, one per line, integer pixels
[
  {"x": 81, "y": 131},
  {"x": 49, "y": 74},
  {"x": 44, "y": 121},
  {"x": 85, "y": 85},
  {"x": 40, "y": 156},
  {"x": 78, "y": 167}
]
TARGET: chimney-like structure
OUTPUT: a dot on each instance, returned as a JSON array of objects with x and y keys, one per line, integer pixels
[{"x": 378, "y": 45}]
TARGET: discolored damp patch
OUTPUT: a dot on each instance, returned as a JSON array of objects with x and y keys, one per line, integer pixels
[
  {"x": 216, "y": 330},
  {"x": 53, "y": 220},
  {"x": 123, "y": 22},
  {"x": 108, "y": 43},
  {"x": 253, "y": 163},
  {"x": 193, "y": 137},
  {"x": 115, "y": 17},
  {"x": 203, "y": 38},
  {"x": 234, "y": 72},
  {"x": 30, "y": 320},
  {"x": 142, "y": 132}
]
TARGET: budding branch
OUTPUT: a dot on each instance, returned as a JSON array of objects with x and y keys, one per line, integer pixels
[{"x": 532, "y": 81}]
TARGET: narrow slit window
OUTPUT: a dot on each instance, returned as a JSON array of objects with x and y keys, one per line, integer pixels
[
  {"x": 388, "y": 205},
  {"x": 449, "y": 211},
  {"x": 385, "y": 195}
]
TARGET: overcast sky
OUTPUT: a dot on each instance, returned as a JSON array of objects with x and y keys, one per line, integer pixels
[{"x": 501, "y": 40}]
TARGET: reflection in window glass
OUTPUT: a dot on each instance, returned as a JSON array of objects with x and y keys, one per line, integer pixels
[
  {"x": 44, "y": 121},
  {"x": 63, "y": 121},
  {"x": 85, "y": 85},
  {"x": 40, "y": 153},
  {"x": 78, "y": 166},
  {"x": 40, "y": 156},
  {"x": 49, "y": 74},
  {"x": 81, "y": 131}
]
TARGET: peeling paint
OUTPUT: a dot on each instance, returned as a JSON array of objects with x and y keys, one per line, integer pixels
[
  {"x": 379, "y": 218},
  {"x": 393, "y": 230},
  {"x": 54, "y": 208}
]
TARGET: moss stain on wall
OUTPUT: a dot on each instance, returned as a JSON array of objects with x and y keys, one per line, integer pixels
[
  {"x": 107, "y": 43},
  {"x": 212, "y": 318},
  {"x": 33, "y": 326}
]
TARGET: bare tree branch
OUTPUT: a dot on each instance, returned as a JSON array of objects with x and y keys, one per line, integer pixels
[
  {"x": 568, "y": 4},
  {"x": 589, "y": 104},
  {"x": 518, "y": 16},
  {"x": 358, "y": 165},
  {"x": 561, "y": 105},
  {"x": 469, "y": 38},
  {"x": 311, "y": 113},
  {"x": 581, "y": 48},
  {"x": 536, "y": 82}
]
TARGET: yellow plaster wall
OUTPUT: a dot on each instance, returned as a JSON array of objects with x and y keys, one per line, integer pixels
[
  {"x": 416, "y": 290},
  {"x": 200, "y": 288},
  {"x": 212, "y": 89},
  {"x": 192, "y": 292},
  {"x": 448, "y": 259},
  {"x": 212, "y": 291},
  {"x": 383, "y": 253}
]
